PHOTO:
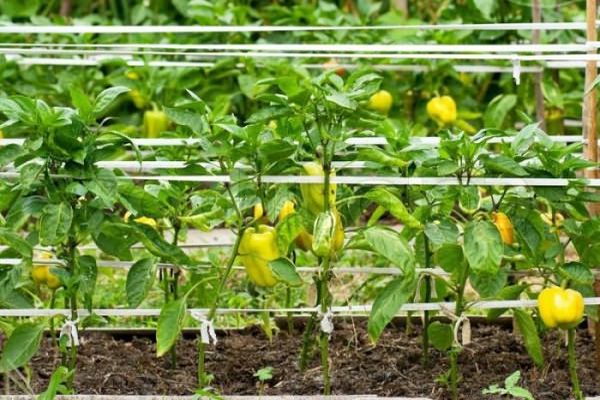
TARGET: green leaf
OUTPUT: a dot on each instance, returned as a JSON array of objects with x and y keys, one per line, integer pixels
[
  {"x": 116, "y": 239},
  {"x": 106, "y": 97},
  {"x": 450, "y": 257},
  {"x": 142, "y": 202},
  {"x": 285, "y": 271},
  {"x": 483, "y": 247},
  {"x": 158, "y": 246},
  {"x": 82, "y": 102},
  {"x": 21, "y": 346},
  {"x": 394, "y": 205},
  {"x": 59, "y": 377},
  {"x": 380, "y": 156},
  {"x": 469, "y": 199},
  {"x": 170, "y": 323},
  {"x": 504, "y": 165},
  {"x": 441, "y": 233},
  {"x": 88, "y": 274},
  {"x": 104, "y": 185},
  {"x": 531, "y": 339},
  {"x": 441, "y": 335},
  {"x": 498, "y": 109},
  {"x": 511, "y": 292},
  {"x": 486, "y": 7},
  {"x": 9, "y": 153},
  {"x": 192, "y": 120},
  {"x": 389, "y": 301},
  {"x": 139, "y": 281},
  {"x": 205, "y": 221},
  {"x": 392, "y": 246},
  {"x": 16, "y": 242},
  {"x": 288, "y": 230},
  {"x": 342, "y": 100},
  {"x": 55, "y": 223}
]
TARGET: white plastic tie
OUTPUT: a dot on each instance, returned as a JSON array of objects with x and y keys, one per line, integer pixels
[
  {"x": 516, "y": 62},
  {"x": 326, "y": 321},
  {"x": 207, "y": 329},
  {"x": 69, "y": 329}
]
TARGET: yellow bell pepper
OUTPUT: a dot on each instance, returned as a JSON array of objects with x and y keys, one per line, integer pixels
[
  {"x": 562, "y": 308},
  {"x": 257, "y": 248},
  {"x": 42, "y": 275},
  {"x": 313, "y": 194},
  {"x": 155, "y": 123},
  {"x": 381, "y": 102},
  {"x": 505, "y": 227},
  {"x": 442, "y": 109}
]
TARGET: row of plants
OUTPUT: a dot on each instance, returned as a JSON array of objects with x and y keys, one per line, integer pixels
[{"x": 480, "y": 236}]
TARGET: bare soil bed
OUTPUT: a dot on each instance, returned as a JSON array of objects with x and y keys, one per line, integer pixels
[{"x": 123, "y": 364}]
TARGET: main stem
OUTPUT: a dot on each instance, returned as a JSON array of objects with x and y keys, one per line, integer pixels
[
  {"x": 171, "y": 287},
  {"x": 426, "y": 314},
  {"x": 458, "y": 310},
  {"x": 573, "y": 364},
  {"x": 325, "y": 295},
  {"x": 202, "y": 377},
  {"x": 72, "y": 363}
]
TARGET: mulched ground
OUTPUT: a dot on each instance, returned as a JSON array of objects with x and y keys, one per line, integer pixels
[{"x": 124, "y": 365}]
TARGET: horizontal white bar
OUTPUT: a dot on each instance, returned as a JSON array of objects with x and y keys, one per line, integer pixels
[
  {"x": 366, "y": 308},
  {"x": 195, "y": 64},
  {"x": 123, "y": 29},
  {"x": 301, "y": 47}
]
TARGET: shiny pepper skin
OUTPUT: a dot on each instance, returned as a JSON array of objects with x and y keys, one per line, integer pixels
[
  {"x": 257, "y": 248},
  {"x": 442, "y": 109},
  {"x": 155, "y": 122},
  {"x": 42, "y": 274},
  {"x": 560, "y": 308},
  {"x": 381, "y": 102},
  {"x": 312, "y": 194},
  {"x": 505, "y": 227}
]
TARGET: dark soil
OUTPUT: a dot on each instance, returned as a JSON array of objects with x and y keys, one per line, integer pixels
[{"x": 114, "y": 365}]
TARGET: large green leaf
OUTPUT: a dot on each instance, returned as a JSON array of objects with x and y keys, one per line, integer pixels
[
  {"x": 116, "y": 239},
  {"x": 483, "y": 247},
  {"x": 389, "y": 301},
  {"x": 531, "y": 339},
  {"x": 141, "y": 201},
  {"x": 288, "y": 229},
  {"x": 285, "y": 271},
  {"x": 498, "y": 109},
  {"x": 21, "y": 346},
  {"x": 16, "y": 242},
  {"x": 392, "y": 246},
  {"x": 55, "y": 223},
  {"x": 441, "y": 335},
  {"x": 106, "y": 97},
  {"x": 139, "y": 281},
  {"x": 170, "y": 323},
  {"x": 104, "y": 185}
]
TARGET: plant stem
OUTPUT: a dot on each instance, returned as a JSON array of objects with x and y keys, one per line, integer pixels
[
  {"x": 52, "y": 327},
  {"x": 573, "y": 364},
  {"x": 455, "y": 350},
  {"x": 426, "y": 314},
  {"x": 172, "y": 287},
  {"x": 306, "y": 342},
  {"x": 202, "y": 377},
  {"x": 288, "y": 304},
  {"x": 454, "y": 373}
]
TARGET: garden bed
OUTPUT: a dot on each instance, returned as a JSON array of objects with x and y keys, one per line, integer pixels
[{"x": 126, "y": 365}]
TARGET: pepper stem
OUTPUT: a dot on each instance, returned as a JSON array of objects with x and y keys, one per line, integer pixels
[{"x": 573, "y": 364}]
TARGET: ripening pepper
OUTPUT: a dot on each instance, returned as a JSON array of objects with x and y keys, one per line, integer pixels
[
  {"x": 42, "y": 274},
  {"x": 442, "y": 109},
  {"x": 257, "y": 248},
  {"x": 304, "y": 239},
  {"x": 562, "y": 308},
  {"x": 139, "y": 100},
  {"x": 312, "y": 193},
  {"x": 142, "y": 220},
  {"x": 381, "y": 102},
  {"x": 505, "y": 227},
  {"x": 155, "y": 122}
]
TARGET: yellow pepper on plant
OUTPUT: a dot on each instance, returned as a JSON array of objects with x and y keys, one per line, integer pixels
[
  {"x": 381, "y": 102},
  {"x": 258, "y": 247},
  {"x": 505, "y": 227},
  {"x": 155, "y": 122},
  {"x": 442, "y": 109}
]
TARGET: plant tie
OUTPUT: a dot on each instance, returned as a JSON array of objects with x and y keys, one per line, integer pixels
[
  {"x": 326, "y": 321},
  {"x": 462, "y": 321},
  {"x": 207, "y": 329},
  {"x": 516, "y": 70},
  {"x": 69, "y": 329}
]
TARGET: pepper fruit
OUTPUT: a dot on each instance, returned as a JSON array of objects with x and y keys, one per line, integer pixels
[
  {"x": 333, "y": 64},
  {"x": 562, "y": 308},
  {"x": 442, "y": 109},
  {"x": 312, "y": 193},
  {"x": 151, "y": 222},
  {"x": 257, "y": 248},
  {"x": 304, "y": 239},
  {"x": 155, "y": 122},
  {"x": 505, "y": 227},
  {"x": 323, "y": 233},
  {"x": 42, "y": 275},
  {"x": 381, "y": 102}
]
